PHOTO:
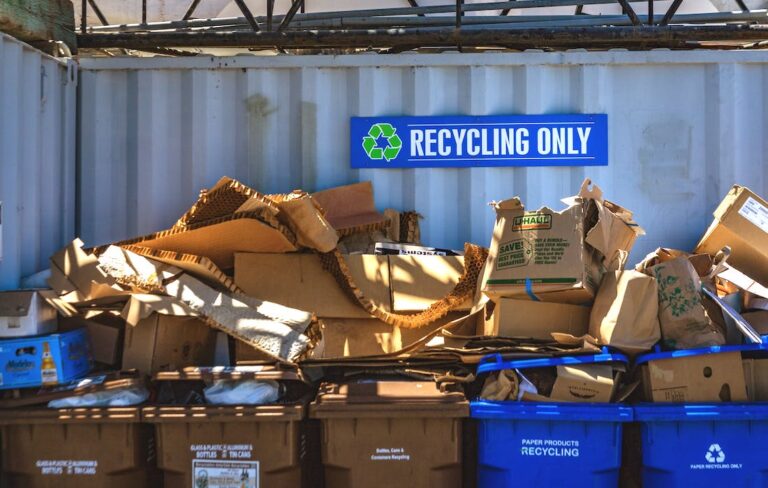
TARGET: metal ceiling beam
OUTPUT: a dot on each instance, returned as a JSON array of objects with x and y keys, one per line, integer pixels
[{"x": 554, "y": 37}]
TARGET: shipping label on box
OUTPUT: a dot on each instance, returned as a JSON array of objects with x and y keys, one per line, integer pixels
[{"x": 44, "y": 360}]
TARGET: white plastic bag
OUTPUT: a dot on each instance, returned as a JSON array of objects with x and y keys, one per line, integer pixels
[
  {"x": 242, "y": 392},
  {"x": 110, "y": 398}
]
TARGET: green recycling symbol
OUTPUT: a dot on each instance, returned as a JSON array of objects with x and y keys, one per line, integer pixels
[{"x": 393, "y": 145}]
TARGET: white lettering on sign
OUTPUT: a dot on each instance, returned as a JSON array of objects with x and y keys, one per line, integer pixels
[
  {"x": 549, "y": 448},
  {"x": 390, "y": 454},
  {"x": 756, "y": 213},
  {"x": 222, "y": 451},
  {"x": 67, "y": 467},
  {"x": 225, "y": 474},
  {"x": 498, "y": 141},
  {"x": 715, "y": 459}
]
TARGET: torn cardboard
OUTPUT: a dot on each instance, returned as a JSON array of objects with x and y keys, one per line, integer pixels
[
  {"x": 419, "y": 281},
  {"x": 538, "y": 320},
  {"x": 557, "y": 256},
  {"x": 741, "y": 223},
  {"x": 198, "y": 266},
  {"x": 298, "y": 280},
  {"x": 219, "y": 239}
]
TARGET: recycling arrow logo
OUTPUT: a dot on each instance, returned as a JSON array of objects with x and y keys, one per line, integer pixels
[
  {"x": 715, "y": 454},
  {"x": 382, "y": 142}
]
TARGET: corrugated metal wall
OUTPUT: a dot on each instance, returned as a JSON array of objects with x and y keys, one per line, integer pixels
[
  {"x": 37, "y": 158},
  {"x": 684, "y": 126}
]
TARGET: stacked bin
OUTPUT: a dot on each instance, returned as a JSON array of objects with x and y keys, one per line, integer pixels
[
  {"x": 390, "y": 434},
  {"x": 548, "y": 444},
  {"x": 248, "y": 446},
  {"x": 704, "y": 444},
  {"x": 77, "y": 448}
]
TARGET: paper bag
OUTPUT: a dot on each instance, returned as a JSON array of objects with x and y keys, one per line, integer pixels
[
  {"x": 625, "y": 312},
  {"x": 682, "y": 316}
]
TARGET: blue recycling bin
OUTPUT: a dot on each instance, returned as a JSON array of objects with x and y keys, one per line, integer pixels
[
  {"x": 722, "y": 444},
  {"x": 548, "y": 444},
  {"x": 704, "y": 444}
]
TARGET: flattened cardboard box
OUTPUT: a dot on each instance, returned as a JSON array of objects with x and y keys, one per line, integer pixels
[
  {"x": 539, "y": 320},
  {"x": 299, "y": 281},
  {"x": 741, "y": 222},
  {"x": 393, "y": 283},
  {"x": 702, "y": 378}
]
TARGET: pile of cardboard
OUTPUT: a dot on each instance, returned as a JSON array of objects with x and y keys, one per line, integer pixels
[
  {"x": 328, "y": 283},
  {"x": 241, "y": 277},
  {"x": 561, "y": 275}
]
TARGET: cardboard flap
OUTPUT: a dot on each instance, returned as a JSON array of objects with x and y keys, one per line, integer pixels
[
  {"x": 141, "y": 306},
  {"x": 611, "y": 236},
  {"x": 510, "y": 204},
  {"x": 350, "y": 206},
  {"x": 590, "y": 190},
  {"x": 743, "y": 281},
  {"x": 61, "y": 306},
  {"x": 308, "y": 223},
  {"x": 73, "y": 269}
]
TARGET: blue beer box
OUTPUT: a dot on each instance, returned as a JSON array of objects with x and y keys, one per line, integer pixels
[{"x": 22, "y": 362}]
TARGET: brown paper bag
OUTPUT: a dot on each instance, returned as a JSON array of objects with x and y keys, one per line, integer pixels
[
  {"x": 683, "y": 319},
  {"x": 625, "y": 312}
]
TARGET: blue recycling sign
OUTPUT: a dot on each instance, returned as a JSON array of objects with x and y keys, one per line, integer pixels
[{"x": 479, "y": 141}]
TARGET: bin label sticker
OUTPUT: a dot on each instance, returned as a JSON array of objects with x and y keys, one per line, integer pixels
[
  {"x": 468, "y": 141},
  {"x": 390, "y": 454},
  {"x": 715, "y": 459},
  {"x": 549, "y": 447},
  {"x": 67, "y": 467},
  {"x": 225, "y": 474},
  {"x": 756, "y": 213},
  {"x": 222, "y": 451}
]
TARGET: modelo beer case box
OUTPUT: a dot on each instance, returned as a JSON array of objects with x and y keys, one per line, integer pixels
[{"x": 44, "y": 360}]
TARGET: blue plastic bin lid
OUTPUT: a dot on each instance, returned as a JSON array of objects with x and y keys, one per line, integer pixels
[
  {"x": 496, "y": 362},
  {"x": 682, "y": 353},
  {"x": 584, "y": 412},
  {"x": 692, "y": 412}
]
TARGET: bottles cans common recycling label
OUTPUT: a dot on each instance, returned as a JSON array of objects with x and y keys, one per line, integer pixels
[{"x": 225, "y": 474}]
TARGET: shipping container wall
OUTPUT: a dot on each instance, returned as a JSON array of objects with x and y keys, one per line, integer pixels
[
  {"x": 37, "y": 158},
  {"x": 683, "y": 127}
]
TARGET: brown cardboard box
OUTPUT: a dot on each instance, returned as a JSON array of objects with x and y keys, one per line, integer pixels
[
  {"x": 756, "y": 376},
  {"x": 165, "y": 342},
  {"x": 584, "y": 383},
  {"x": 105, "y": 331},
  {"x": 526, "y": 318},
  {"x": 702, "y": 378},
  {"x": 741, "y": 222},
  {"x": 557, "y": 256}
]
